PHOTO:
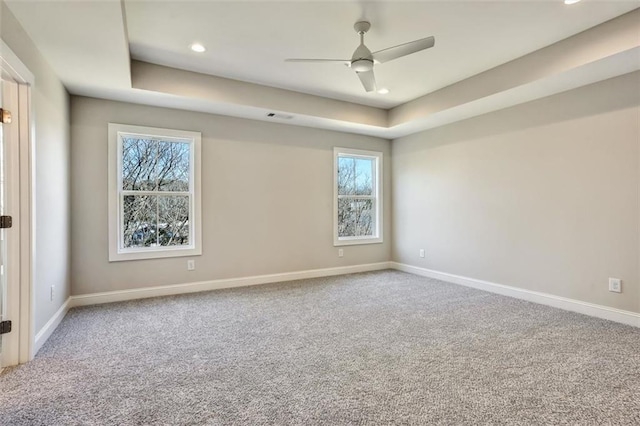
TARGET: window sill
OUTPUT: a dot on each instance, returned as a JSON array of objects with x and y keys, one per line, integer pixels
[
  {"x": 153, "y": 254},
  {"x": 356, "y": 241}
]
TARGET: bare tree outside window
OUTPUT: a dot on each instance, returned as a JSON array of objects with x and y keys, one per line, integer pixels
[
  {"x": 155, "y": 191},
  {"x": 356, "y": 196}
]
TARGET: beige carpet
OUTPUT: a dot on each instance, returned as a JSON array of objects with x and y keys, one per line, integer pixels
[{"x": 373, "y": 348}]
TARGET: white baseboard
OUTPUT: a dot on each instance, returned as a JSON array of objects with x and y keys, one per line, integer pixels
[
  {"x": 51, "y": 325},
  {"x": 591, "y": 309},
  {"x": 168, "y": 290}
]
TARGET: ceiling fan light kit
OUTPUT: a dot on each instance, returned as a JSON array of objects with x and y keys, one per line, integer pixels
[
  {"x": 362, "y": 61},
  {"x": 362, "y": 65}
]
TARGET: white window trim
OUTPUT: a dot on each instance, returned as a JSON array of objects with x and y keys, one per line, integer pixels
[
  {"x": 116, "y": 252},
  {"x": 378, "y": 179}
]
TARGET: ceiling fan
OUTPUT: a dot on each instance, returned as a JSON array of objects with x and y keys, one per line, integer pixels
[{"x": 363, "y": 60}]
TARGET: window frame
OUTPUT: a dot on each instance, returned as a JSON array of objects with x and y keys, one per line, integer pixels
[
  {"x": 377, "y": 197},
  {"x": 117, "y": 252}
]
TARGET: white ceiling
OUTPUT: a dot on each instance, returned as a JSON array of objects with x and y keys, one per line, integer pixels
[
  {"x": 90, "y": 45},
  {"x": 249, "y": 40}
]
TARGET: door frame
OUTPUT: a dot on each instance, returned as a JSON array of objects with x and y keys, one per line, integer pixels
[{"x": 24, "y": 193}]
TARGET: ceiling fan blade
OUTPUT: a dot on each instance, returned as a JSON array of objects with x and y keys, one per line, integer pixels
[
  {"x": 405, "y": 49},
  {"x": 368, "y": 80},
  {"x": 345, "y": 61}
]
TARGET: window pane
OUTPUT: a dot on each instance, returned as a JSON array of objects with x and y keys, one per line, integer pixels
[
  {"x": 139, "y": 158},
  {"x": 355, "y": 175},
  {"x": 173, "y": 220},
  {"x": 364, "y": 176},
  {"x": 139, "y": 221},
  {"x": 346, "y": 176},
  {"x": 355, "y": 217},
  {"x": 173, "y": 166}
]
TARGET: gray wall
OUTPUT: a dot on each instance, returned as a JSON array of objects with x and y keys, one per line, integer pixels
[
  {"x": 51, "y": 112},
  {"x": 267, "y": 198},
  {"x": 542, "y": 196}
]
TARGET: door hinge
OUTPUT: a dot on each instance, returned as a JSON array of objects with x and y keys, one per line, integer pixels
[
  {"x": 6, "y": 222},
  {"x": 5, "y": 116},
  {"x": 5, "y": 327}
]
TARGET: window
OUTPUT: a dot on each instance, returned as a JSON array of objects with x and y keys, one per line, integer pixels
[
  {"x": 357, "y": 197},
  {"x": 154, "y": 193}
]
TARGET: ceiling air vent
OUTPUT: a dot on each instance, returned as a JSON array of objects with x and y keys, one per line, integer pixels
[{"x": 279, "y": 116}]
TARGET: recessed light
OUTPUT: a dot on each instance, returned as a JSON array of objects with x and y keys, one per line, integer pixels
[
  {"x": 383, "y": 91},
  {"x": 197, "y": 47},
  {"x": 571, "y": 1}
]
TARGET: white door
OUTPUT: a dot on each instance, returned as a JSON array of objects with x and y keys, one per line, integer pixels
[
  {"x": 9, "y": 237},
  {"x": 3, "y": 281}
]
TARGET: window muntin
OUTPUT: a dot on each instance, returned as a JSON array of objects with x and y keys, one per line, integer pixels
[
  {"x": 156, "y": 197},
  {"x": 357, "y": 212}
]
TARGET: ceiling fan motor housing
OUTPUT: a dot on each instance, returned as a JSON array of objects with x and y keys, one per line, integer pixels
[{"x": 362, "y": 59}]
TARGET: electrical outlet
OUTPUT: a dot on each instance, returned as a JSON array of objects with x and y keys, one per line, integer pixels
[
  {"x": 191, "y": 265},
  {"x": 615, "y": 285},
  {"x": 421, "y": 252},
  {"x": 53, "y": 292},
  {"x": 340, "y": 252}
]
